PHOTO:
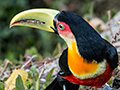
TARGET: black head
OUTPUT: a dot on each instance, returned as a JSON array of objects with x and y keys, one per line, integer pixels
[{"x": 89, "y": 42}]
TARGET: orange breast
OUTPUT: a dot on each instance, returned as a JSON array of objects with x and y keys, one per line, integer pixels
[{"x": 77, "y": 64}]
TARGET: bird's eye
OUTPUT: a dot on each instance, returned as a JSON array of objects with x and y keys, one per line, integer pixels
[{"x": 61, "y": 26}]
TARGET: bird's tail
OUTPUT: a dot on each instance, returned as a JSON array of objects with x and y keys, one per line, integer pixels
[{"x": 62, "y": 84}]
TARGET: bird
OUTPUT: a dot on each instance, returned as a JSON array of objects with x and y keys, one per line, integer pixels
[{"x": 88, "y": 60}]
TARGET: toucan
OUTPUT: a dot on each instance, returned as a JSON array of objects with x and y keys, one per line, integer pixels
[{"x": 88, "y": 60}]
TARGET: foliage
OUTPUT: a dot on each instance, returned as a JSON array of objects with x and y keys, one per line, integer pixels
[
  {"x": 2, "y": 86},
  {"x": 48, "y": 79},
  {"x": 8, "y": 45},
  {"x": 35, "y": 78},
  {"x": 32, "y": 82},
  {"x": 19, "y": 83},
  {"x": 12, "y": 82}
]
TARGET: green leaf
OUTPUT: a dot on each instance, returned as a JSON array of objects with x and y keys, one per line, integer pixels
[
  {"x": 33, "y": 70},
  {"x": 110, "y": 81},
  {"x": 2, "y": 86},
  {"x": 19, "y": 84},
  {"x": 35, "y": 75},
  {"x": 91, "y": 8},
  {"x": 37, "y": 85},
  {"x": 98, "y": 28},
  {"x": 31, "y": 51},
  {"x": 107, "y": 38},
  {"x": 28, "y": 84},
  {"x": 48, "y": 78}
]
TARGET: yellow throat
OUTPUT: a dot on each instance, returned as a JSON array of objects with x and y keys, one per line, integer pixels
[{"x": 80, "y": 67}]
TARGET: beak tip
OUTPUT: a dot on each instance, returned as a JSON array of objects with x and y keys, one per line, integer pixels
[{"x": 11, "y": 25}]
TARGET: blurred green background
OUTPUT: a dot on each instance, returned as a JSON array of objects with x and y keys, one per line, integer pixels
[{"x": 16, "y": 41}]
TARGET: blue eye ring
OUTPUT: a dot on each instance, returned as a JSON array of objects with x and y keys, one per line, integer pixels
[{"x": 61, "y": 26}]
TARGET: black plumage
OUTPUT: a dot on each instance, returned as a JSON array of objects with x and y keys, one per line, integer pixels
[
  {"x": 58, "y": 83},
  {"x": 63, "y": 63},
  {"x": 90, "y": 44}
]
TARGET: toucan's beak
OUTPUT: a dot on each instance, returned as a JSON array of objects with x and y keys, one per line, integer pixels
[{"x": 36, "y": 18}]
